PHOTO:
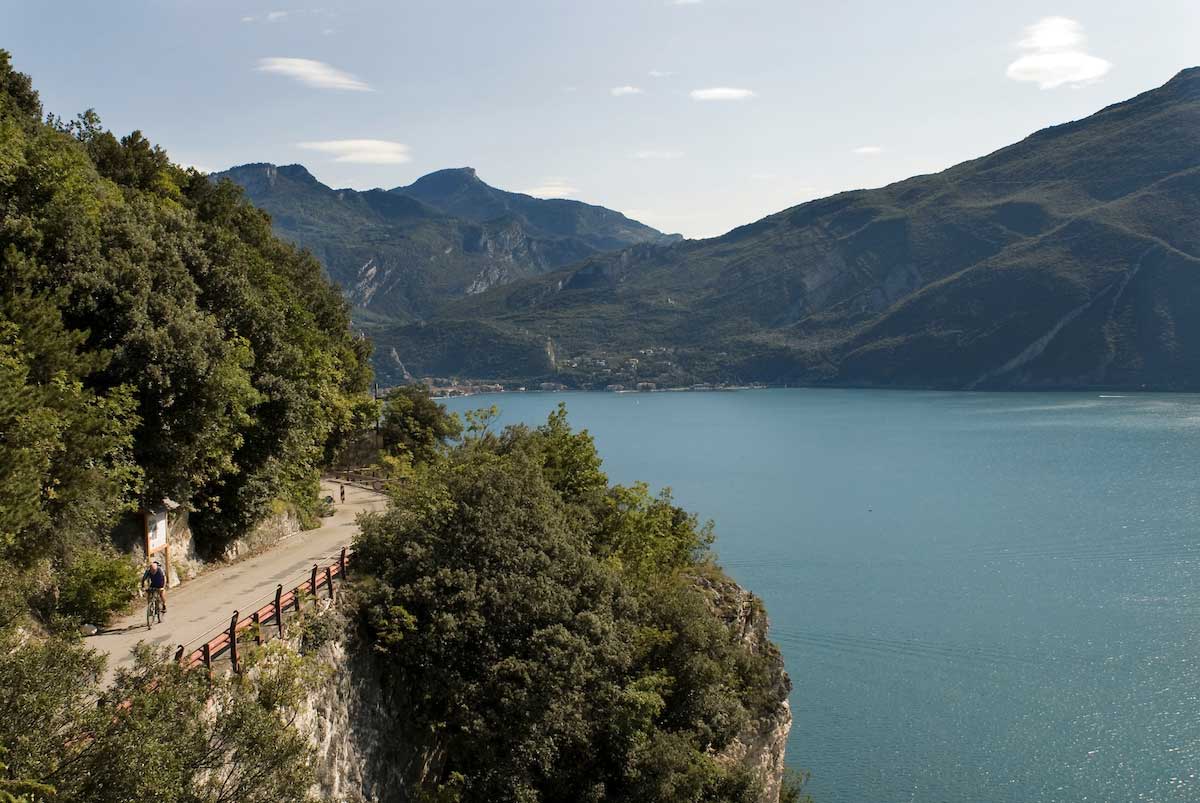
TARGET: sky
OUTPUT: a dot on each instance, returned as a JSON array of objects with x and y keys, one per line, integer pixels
[{"x": 694, "y": 116}]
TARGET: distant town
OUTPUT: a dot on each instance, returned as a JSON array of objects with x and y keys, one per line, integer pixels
[
  {"x": 652, "y": 370},
  {"x": 440, "y": 387}
]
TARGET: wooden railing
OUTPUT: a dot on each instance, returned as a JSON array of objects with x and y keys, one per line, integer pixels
[
  {"x": 372, "y": 479},
  {"x": 266, "y": 618}
]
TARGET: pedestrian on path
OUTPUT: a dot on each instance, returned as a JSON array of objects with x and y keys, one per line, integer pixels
[{"x": 343, "y": 494}]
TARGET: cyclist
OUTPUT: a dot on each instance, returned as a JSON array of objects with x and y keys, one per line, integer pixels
[{"x": 156, "y": 579}]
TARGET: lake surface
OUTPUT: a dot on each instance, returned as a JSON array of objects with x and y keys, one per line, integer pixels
[{"x": 980, "y": 597}]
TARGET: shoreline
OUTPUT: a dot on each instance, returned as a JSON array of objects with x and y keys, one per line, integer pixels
[{"x": 1102, "y": 393}]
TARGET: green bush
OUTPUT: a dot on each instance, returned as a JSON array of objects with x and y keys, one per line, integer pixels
[{"x": 95, "y": 584}]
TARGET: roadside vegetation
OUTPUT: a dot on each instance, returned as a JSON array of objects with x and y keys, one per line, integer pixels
[{"x": 156, "y": 341}]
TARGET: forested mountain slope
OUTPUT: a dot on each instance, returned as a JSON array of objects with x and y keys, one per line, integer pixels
[{"x": 1069, "y": 259}]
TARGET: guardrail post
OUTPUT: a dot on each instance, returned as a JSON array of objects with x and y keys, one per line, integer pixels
[
  {"x": 342, "y": 561},
  {"x": 257, "y": 629},
  {"x": 279, "y": 609},
  {"x": 207, "y": 652},
  {"x": 179, "y": 654},
  {"x": 313, "y": 587},
  {"x": 329, "y": 580},
  {"x": 233, "y": 656}
]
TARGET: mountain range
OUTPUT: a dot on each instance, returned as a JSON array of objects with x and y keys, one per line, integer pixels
[
  {"x": 1070, "y": 259},
  {"x": 400, "y": 254}
]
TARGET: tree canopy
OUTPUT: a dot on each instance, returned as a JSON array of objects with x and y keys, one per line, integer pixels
[
  {"x": 547, "y": 629},
  {"x": 415, "y": 425},
  {"x": 156, "y": 341}
]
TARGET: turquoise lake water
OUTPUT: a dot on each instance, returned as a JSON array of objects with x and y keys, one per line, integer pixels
[{"x": 980, "y": 597}]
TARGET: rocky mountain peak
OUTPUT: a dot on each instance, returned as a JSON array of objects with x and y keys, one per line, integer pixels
[{"x": 441, "y": 182}]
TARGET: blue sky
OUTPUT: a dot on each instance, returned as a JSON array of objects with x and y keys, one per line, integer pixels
[{"x": 692, "y": 115}]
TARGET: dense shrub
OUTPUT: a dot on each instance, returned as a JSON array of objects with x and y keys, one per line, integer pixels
[{"x": 94, "y": 584}]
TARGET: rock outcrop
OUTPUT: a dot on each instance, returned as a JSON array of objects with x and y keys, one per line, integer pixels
[{"x": 762, "y": 744}]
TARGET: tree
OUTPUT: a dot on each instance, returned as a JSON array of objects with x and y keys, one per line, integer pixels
[
  {"x": 415, "y": 424},
  {"x": 66, "y": 464}
]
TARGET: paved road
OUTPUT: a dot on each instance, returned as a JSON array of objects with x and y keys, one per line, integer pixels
[{"x": 200, "y": 607}]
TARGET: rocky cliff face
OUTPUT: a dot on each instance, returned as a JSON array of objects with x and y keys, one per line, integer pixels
[
  {"x": 353, "y": 726},
  {"x": 365, "y": 750}
]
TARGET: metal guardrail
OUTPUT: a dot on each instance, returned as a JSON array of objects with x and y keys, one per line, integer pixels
[{"x": 271, "y": 614}]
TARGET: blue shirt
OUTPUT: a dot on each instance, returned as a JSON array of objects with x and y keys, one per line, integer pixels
[{"x": 157, "y": 578}]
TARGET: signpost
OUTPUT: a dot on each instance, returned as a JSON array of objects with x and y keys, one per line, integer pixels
[{"x": 156, "y": 534}]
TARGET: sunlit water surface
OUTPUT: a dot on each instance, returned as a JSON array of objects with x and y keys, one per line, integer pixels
[{"x": 980, "y": 597}]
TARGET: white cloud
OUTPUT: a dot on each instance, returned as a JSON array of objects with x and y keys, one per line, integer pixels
[
  {"x": 276, "y": 16},
  {"x": 1056, "y": 55},
  {"x": 686, "y": 2},
  {"x": 868, "y": 150},
  {"x": 764, "y": 176},
  {"x": 721, "y": 93},
  {"x": 662, "y": 155},
  {"x": 552, "y": 188},
  {"x": 361, "y": 151},
  {"x": 660, "y": 73},
  {"x": 620, "y": 91},
  {"x": 316, "y": 74},
  {"x": 247, "y": 19}
]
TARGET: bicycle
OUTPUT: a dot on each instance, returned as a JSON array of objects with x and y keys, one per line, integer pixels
[{"x": 154, "y": 607}]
